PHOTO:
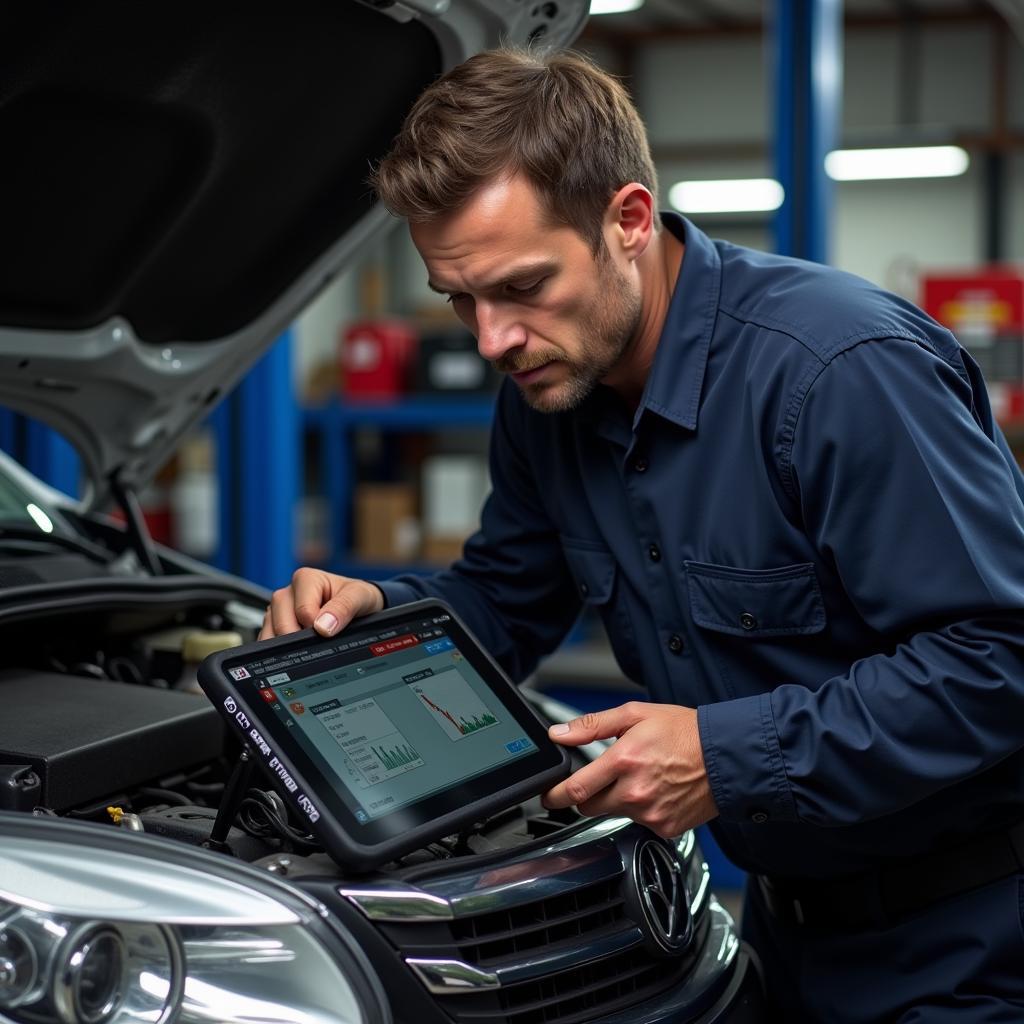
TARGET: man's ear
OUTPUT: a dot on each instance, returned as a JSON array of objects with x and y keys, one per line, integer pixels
[{"x": 629, "y": 220}]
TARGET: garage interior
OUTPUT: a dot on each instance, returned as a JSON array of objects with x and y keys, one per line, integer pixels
[{"x": 370, "y": 415}]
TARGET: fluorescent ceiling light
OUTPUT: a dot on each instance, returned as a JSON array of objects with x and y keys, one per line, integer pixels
[
  {"x": 910, "y": 162},
  {"x": 744, "y": 195},
  {"x": 614, "y": 6}
]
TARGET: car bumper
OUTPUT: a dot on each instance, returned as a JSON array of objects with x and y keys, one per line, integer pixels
[{"x": 724, "y": 988}]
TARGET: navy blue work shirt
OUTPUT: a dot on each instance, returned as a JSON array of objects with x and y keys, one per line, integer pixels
[{"x": 811, "y": 530}]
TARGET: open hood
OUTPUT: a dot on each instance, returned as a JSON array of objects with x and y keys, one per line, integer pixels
[{"x": 178, "y": 183}]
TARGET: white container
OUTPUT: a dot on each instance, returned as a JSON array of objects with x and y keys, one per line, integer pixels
[{"x": 454, "y": 488}]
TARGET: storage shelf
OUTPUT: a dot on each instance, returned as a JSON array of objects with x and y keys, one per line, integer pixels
[
  {"x": 420, "y": 412},
  {"x": 335, "y": 421},
  {"x": 360, "y": 570}
]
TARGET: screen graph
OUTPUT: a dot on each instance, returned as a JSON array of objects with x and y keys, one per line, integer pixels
[
  {"x": 454, "y": 705},
  {"x": 370, "y": 740}
]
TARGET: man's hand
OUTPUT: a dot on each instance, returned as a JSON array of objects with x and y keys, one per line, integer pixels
[
  {"x": 319, "y": 599},
  {"x": 654, "y": 773}
]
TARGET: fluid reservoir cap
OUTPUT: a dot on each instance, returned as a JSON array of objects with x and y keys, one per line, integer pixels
[{"x": 200, "y": 643}]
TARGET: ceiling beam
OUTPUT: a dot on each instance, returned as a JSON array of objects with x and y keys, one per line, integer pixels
[{"x": 597, "y": 32}]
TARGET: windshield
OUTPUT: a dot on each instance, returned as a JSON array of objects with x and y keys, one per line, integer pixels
[{"x": 20, "y": 506}]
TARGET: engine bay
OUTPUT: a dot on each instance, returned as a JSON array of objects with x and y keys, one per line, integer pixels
[{"x": 103, "y": 722}]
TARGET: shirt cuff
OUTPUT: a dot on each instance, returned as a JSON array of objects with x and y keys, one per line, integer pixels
[
  {"x": 744, "y": 762},
  {"x": 396, "y": 593}
]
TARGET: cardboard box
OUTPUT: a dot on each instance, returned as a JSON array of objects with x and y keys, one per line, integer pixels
[{"x": 387, "y": 528}]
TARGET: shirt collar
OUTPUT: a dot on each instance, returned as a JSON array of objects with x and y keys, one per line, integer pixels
[
  {"x": 674, "y": 383},
  {"x": 677, "y": 375}
]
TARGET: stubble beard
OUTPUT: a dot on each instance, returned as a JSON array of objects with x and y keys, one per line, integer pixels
[{"x": 605, "y": 334}]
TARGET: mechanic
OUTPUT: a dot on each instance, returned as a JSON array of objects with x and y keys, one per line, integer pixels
[{"x": 783, "y": 490}]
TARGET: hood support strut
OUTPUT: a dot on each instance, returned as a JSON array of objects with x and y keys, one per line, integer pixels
[{"x": 138, "y": 533}]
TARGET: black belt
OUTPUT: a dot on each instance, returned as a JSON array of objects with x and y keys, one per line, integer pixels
[{"x": 879, "y": 898}]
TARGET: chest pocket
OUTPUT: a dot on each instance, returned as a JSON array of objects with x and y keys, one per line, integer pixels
[{"x": 755, "y": 602}]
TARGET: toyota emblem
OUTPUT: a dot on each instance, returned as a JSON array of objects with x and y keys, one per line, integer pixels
[{"x": 661, "y": 892}]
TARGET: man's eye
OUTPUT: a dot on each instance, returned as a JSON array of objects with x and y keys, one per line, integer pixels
[
  {"x": 456, "y": 297},
  {"x": 524, "y": 291}
]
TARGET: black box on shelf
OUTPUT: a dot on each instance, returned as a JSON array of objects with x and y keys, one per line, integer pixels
[{"x": 448, "y": 363}]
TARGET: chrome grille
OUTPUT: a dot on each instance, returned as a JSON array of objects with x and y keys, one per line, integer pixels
[
  {"x": 488, "y": 939},
  {"x": 548, "y": 937}
]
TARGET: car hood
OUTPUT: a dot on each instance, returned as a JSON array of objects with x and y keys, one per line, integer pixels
[{"x": 179, "y": 183}]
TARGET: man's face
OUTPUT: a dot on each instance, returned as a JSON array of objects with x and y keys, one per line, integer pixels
[{"x": 542, "y": 307}]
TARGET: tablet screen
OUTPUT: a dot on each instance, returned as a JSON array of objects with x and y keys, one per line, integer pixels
[{"x": 401, "y": 720}]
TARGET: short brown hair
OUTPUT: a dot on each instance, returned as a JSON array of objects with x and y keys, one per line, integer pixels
[{"x": 568, "y": 126}]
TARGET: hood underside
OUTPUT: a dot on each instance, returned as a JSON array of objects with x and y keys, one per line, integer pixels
[{"x": 177, "y": 185}]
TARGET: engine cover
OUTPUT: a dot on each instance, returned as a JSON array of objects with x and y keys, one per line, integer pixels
[{"x": 89, "y": 738}]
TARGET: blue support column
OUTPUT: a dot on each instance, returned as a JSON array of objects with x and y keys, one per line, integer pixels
[
  {"x": 225, "y": 556},
  {"x": 52, "y": 458},
  {"x": 41, "y": 451},
  {"x": 338, "y": 475},
  {"x": 8, "y": 425},
  {"x": 806, "y": 47},
  {"x": 258, "y": 446},
  {"x": 268, "y": 447}
]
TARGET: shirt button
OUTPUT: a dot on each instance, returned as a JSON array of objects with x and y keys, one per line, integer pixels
[
  {"x": 747, "y": 621},
  {"x": 675, "y": 643},
  {"x": 640, "y": 465},
  {"x": 654, "y": 553},
  {"x": 758, "y": 817},
  {"x": 584, "y": 589}
]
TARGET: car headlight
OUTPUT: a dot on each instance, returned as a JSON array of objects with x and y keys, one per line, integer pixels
[{"x": 95, "y": 930}]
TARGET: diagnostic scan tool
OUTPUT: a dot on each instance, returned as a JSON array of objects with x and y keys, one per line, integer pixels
[{"x": 396, "y": 732}]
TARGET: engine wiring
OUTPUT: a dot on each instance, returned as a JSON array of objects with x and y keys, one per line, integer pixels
[{"x": 263, "y": 814}]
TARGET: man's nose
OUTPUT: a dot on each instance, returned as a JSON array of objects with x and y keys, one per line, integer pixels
[{"x": 497, "y": 331}]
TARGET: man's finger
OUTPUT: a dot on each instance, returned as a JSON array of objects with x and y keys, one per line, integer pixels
[
  {"x": 267, "y": 630},
  {"x": 599, "y": 725},
  {"x": 605, "y": 802},
  {"x": 352, "y": 600},
  {"x": 583, "y": 785},
  {"x": 310, "y": 590},
  {"x": 282, "y": 613}
]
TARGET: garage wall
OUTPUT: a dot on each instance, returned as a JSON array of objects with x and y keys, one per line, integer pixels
[
  {"x": 886, "y": 230},
  {"x": 711, "y": 90},
  {"x": 1015, "y": 210}
]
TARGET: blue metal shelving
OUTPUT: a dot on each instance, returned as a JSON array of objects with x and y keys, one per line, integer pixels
[
  {"x": 336, "y": 421},
  {"x": 418, "y": 413}
]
